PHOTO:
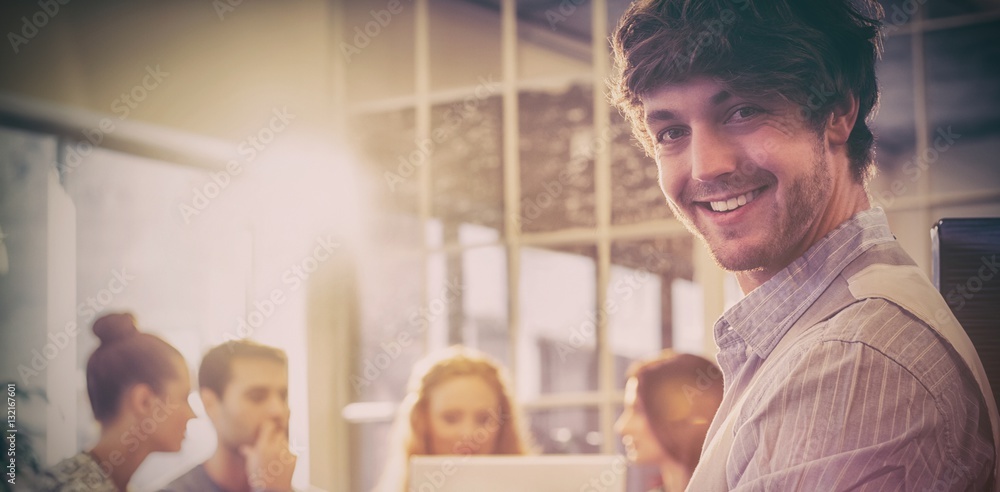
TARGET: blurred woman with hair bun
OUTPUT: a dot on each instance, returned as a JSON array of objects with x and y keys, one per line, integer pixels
[{"x": 138, "y": 386}]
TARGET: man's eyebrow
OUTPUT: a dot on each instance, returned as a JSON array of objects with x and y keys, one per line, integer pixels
[
  {"x": 666, "y": 114},
  {"x": 659, "y": 115},
  {"x": 719, "y": 98}
]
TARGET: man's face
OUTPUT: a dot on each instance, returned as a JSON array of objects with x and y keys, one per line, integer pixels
[
  {"x": 750, "y": 177},
  {"x": 257, "y": 391}
]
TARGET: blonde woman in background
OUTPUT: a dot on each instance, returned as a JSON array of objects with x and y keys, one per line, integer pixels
[
  {"x": 458, "y": 403},
  {"x": 669, "y": 403}
]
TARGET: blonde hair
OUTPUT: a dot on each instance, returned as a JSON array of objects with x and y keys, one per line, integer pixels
[{"x": 410, "y": 431}]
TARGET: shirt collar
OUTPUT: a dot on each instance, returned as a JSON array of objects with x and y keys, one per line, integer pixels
[{"x": 766, "y": 313}]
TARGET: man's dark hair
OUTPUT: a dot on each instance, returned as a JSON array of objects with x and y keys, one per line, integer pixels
[
  {"x": 217, "y": 366},
  {"x": 813, "y": 53}
]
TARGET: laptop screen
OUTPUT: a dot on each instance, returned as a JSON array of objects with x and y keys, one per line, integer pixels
[{"x": 549, "y": 473}]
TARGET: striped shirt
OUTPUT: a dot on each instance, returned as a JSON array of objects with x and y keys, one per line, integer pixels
[{"x": 868, "y": 399}]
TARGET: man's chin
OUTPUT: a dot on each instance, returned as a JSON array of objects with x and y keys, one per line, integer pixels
[{"x": 737, "y": 256}]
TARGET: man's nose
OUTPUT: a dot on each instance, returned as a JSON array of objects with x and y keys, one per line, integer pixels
[
  {"x": 278, "y": 408},
  {"x": 712, "y": 155}
]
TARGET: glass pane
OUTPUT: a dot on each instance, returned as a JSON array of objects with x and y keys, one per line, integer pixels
[
  {"x": 557, "y": 159},
  {"x": 635, "y": 188},
  {"x": 900, "y": 13},
  {"x": 468, "y": 300},
  {"x": 963, "y": 105},
  {"x": 378, "y": 46},
  {"x": 467, "y": 174},
  {"x": 566, "y": 430},
  {"x": 392, "y": 328},
  {"x": 895, "y": 124},
  {"x": 464, "y": 44},
  {"x": 639, "y": 298},
  {"x": 195, "y": 278},
  {"x": 557, "y": 338},
  {"x": 553, "y": 39},
  {"x": 484, "y": 301},
  {"x": 948, "y": 8},
  {"x": 912, "y": 232},
  {"x": 387, "y": 144},
  {"x": 615, "y": 10}
]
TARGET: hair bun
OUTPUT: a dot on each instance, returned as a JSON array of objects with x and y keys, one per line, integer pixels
[{"x": 113, "y": 327}]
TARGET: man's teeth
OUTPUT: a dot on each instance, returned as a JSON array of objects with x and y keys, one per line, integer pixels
[{"x": 734, "y": 203}]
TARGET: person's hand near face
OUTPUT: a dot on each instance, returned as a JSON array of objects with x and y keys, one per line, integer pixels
[{"x": 269, "y": 461}]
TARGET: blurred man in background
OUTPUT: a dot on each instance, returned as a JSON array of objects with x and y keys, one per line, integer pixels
[{"x": 244, "y": 387}]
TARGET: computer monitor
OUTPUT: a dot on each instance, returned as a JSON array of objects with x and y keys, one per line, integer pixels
[
  {"x": 549, "y": 473},
  {"x": 966, "y": 269}
]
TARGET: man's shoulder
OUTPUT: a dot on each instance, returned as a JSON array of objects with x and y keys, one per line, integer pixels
[
  {"x": 888, "y": 328},
  {"x": 195, "y": 479}
]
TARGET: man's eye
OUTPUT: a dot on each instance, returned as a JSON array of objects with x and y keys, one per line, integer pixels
[
  {"x": 671, "y": 134},
  {"x": 745, "y": 112}
]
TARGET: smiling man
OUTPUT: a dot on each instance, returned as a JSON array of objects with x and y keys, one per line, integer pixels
[{"x": 844, "y": 369}]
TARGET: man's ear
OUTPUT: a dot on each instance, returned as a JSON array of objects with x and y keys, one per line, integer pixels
[
  {"x": 841, "y": 120},
  {"x": 210, "y": 401}
]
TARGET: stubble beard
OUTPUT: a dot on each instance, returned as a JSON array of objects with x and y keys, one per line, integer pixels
[{"x": 805, "y": 198}]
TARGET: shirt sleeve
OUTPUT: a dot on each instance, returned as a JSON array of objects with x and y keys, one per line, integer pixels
[{"x": 848, "y": 416}]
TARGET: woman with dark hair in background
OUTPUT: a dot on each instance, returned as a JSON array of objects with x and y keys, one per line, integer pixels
[
  {"x": 669, "y": 403},
  {"x": 138, "y": 386},
  {"x": 458, "y": 403}
]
